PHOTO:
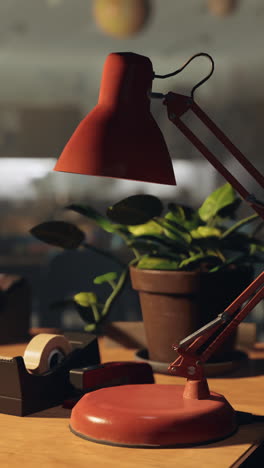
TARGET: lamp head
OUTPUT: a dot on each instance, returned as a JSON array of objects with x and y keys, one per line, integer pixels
[{"x": 119, "y": 138}]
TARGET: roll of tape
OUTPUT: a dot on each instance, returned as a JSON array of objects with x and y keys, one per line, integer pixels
[{"x": 45, "y": 351}]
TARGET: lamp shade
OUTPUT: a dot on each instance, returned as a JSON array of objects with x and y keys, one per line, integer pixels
[{"x": 119, "y": 138}]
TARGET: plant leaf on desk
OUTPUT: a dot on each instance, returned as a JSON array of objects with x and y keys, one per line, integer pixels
[
  {"x": 59, "y": 233},
  {"x": 93, "y": 215},
  {"x": 241, "y": 224},
  {"x": 198, "y": 259},
  {"x": 229, "y": 211},
  {"x": 157, "y": 263},
  {"x": 221, "y": 198},
  {"x": 106, "y": 278},
  {"x": 85, "y": 299},
  {"x": 137, "y": 209},
  {"x": 168, "y": 221},
  {"x": 149, "y": 228},
  {"x": 172, "y": 231},
  {"x": 183, "y": 215},
  {"x": 90, "y": 327},
  {"x": 158, "y": 242},
  {"x": 205, "y": 232},
  {"x": 155, "y": 249}
]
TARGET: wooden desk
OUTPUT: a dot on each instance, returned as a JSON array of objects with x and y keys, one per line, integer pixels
[{"x": 44, "y": 440}]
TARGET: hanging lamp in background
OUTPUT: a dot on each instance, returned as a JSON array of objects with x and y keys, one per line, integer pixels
[
  {"x": 121, "y": 18},
  {"x": 222, "y": 7},
  {"x": 119, "y": 138}
]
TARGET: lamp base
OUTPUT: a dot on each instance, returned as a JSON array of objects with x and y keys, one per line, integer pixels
[{"x": 152, "y": 415}]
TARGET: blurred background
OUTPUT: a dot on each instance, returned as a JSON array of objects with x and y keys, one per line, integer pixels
[{"x": 51, "y": 57}]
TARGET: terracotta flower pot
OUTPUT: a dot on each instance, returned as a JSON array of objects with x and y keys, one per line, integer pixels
[{"x": 176, "y": 303}]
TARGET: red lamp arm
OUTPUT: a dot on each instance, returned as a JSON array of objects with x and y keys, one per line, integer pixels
[
  {"x": 188, "y": 364},
  {"x": 258, "y": 295},
  {"x": 177, "y": 105},
  {"x": 189, "y": 347},
  {"x": 228, "y": 144}
]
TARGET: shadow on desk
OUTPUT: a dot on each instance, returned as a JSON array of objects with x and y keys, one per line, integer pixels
[
  {"x": 242, "y": 436},
  {"x": 250, "y": 368},
  {"x": 58, "y": 412}
]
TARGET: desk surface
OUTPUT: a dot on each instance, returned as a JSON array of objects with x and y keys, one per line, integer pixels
[{"x": 44, "y": 440}]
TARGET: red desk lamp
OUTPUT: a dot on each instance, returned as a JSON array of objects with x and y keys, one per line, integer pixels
[{"x": 120, "y": 138}]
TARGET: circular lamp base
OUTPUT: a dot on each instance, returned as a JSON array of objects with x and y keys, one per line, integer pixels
[{"x": 151, "y": 415}]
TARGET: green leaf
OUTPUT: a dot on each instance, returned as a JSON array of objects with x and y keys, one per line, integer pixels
[
  {"x": 185, "y": 216},
  {"x": 192, "y": 262},
  {"x": 137, "y": 209},
  {"x": 176, "y": 212},
  {"x": 241, "y": 223},
  {"x": 172, "y": 231},
  {"x": 222, "y": 197},
  {"x": 94, "y": 216},
  {"x": 147, "y": 245},
  {"x": 90, "y": 327},
  {"x": 149, "y": 228},
  {"x": 205, "y": 231},
  {"x": 181, "y": 213},
  {"x": 161, "y": 242},
  {"x": 177, "y": 227},
  {"x": 230, "y": 210},
  {"x": 59, "y": 233},
  {"x": 154, "y": 248},
  {"x": 237, "y": 260},
  {"x": 255, "y": 247},
  {"x": 85, "y": 299},
  {"x": 106, "y": 278},
  {"x": 156, "y": 263}
]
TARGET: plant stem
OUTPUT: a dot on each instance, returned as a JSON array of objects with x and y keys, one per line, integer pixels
[
  {"x": 228, "y": 262},
  {"x": 117, "y": 289},
  {"x": 236, "y": 226},
  {"x": 95, "y": 312},
  {"x": 220, "y": 255},
  {"x": 125, "y": 239},
  {"x": 180, "y": 238},
  {"x": 115, "y": 292},
  {"x": 112, "y": 284}
]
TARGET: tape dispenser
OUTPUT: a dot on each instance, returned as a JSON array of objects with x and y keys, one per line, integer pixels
[{"x": 40, "y": 379}]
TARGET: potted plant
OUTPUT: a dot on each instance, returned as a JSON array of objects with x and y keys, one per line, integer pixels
[{"x": 188, "y": 264}]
